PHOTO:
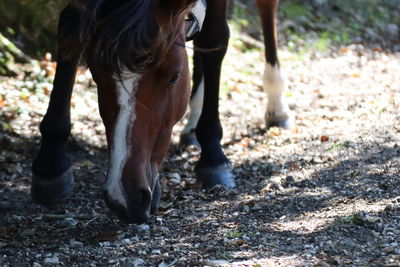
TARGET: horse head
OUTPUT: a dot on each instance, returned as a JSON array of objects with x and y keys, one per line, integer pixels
[{"x": 141, "y": 69}]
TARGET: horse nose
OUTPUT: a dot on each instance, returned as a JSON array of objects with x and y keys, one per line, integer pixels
[
  {"x": 140, "y": 200},
  {"x": 136, "y": 208}
]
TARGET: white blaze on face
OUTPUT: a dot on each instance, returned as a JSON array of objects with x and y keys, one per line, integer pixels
[
  {"x": 196, "y": 106},
  {"x": 120, "y": 146},
  {"x": 274, "y": 85}
]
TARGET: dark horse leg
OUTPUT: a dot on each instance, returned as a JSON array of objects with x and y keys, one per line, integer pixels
[
  {"x": 214, "y": 167},
  {"x": 52, "y": 179},
  {"x": 278, "y": 113}
]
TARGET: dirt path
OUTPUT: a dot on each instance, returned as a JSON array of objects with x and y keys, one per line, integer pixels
[{"x": 325, "y": 193}]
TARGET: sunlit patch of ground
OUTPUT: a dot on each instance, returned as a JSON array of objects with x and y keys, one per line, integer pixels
[{"x": 325, "y": 192}]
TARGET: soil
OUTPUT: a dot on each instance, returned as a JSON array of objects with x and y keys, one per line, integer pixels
[{"x": 325, "y": 193}]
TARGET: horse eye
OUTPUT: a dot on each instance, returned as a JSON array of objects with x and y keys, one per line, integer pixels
[{"x": 174, "y": 79}]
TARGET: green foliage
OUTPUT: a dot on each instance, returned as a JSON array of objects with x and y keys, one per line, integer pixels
[
  {"x": 304, "y": 24},
  {"x": 295, "y": 9},
  {"x": 9, "y": 54},
  {"x": 321, "y": 24},
  {"x": 33, "y": 20},
  {"x": 235, "y": 233}
]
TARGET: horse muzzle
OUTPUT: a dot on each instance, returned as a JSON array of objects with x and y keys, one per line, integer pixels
[
  {"x": 134, "y": 203},
  {"x": 136, "y": 209}
]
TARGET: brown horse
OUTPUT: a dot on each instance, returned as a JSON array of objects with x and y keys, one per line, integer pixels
[{"x": 135, "y": 50}]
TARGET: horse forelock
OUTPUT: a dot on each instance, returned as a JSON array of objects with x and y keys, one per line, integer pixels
[{"x": 124, "y": 34}]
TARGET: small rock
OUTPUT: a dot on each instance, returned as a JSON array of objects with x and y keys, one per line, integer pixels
[
  {"x": 156, "y": 251},
  {"x": 142, "y": 252},
  {"x": 216, "y": 262},
  {"x": 68, "y": 222},
  {"x": 18, "y": 218},
  {"x": 183, "y": 259},
  {"x": 392, "y": 207},
  {"x": 175, "y": 178},
  {"x": 275, "y": 180},
  {"x": 290, "y": 179},
  {"x": 36, "y": 264},
  {"x": 52, "y": 260},
  {"x": 126, "y": 241},
  {"x": 142, "y": 227},
  {"x": 388, "y": 250},
  {"x": 164, "y": 229},
  {"x": 138, "y": 262},
  {"x": 75, "y": 244},
  {"x": 246, "y": 208},
  {"x": 105, "y": 244}
]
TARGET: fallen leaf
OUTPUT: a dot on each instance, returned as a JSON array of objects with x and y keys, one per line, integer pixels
[
  {"x": 345, "y": 50},
  {"x": 324, "y": 138}
]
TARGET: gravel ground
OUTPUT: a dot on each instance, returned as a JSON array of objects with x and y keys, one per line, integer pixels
[{"x": 325, "y": 193}]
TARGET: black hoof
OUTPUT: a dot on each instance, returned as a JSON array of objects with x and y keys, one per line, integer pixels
[
  {"x": 212, "y": 176},
  {"x": 50, "y": 192},
  {"x": 287, "y": 123},
  {"x": 189, "y": 139}
]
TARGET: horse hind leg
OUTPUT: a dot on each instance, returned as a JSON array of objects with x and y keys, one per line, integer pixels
[
  {"x": 278, "y": 112},
  {"x": 52, "y": 180},
  {"x": 188, "y": 135}
]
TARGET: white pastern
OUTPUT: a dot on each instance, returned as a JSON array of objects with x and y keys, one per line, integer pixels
[
  {"x": 120, "y": 147},
  {"x": 196, "y": 106},
  {"x": 277, "y": 108}
]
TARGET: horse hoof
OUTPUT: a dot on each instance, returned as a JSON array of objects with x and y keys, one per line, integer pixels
[
  {"x": 284, "y": 123},
  {"x": 50, "y": 192},
  {"x": 212, "y": 176},
  {"x": 189, "y": 139}
]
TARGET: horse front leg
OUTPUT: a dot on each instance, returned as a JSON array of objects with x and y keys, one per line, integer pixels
[
  {"x": 52, "y": 180},
  {"x": 278, "y": 112},
  {"x": 213, "y": 168}
]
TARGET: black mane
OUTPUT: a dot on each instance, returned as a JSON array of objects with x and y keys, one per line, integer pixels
[{"x": 120, "y": 34}]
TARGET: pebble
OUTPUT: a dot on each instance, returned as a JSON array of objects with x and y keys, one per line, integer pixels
[
  {"x": 52, "y": 260},
  {"x": 126, "y": 241},
  {"x": 290, "y": 179},
  {"x": 36, "y": 264},
  {"x": 216, "y": 262},
  {"x": 68, "y": 222},
  {"x": 175, "y": 178},
  {"x": 75, "y": 244},
  {"x": 142, "y": 227},
  {"x": 246, "y": 208},
  {"x": 183, "y": 259},
  {"x": 136, "y": 263}
]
